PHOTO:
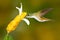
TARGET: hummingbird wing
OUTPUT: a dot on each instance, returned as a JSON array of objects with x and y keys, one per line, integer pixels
[
  {"x": 45, "y": 11},
  {"x": 41, "y": 13}
]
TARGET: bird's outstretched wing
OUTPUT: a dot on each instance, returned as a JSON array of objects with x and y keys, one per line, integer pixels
[{"x": 44, "y": 11}]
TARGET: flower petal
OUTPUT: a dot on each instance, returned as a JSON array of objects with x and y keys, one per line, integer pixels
[
  {"x": 19, "y": 9},
  {"x": 27, "y": 21}
]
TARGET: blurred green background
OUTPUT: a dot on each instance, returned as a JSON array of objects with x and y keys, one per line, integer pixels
[{"x": 36, "y": 30}]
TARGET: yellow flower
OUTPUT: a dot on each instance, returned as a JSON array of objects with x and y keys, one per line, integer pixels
[{"x": 13, "y": 24}]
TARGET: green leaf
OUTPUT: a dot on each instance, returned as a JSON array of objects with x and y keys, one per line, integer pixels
[{"x": 8, "y": 37}]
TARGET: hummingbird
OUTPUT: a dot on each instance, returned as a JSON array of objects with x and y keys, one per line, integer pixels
[{"x": 39, "y": 16}]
